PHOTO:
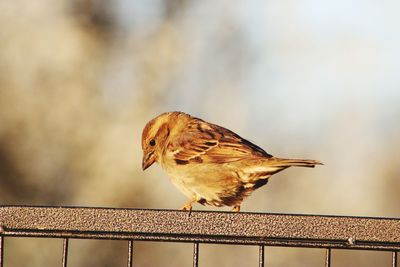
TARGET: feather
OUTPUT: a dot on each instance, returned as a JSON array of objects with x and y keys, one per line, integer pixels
[{"x": 210, "y": 143}]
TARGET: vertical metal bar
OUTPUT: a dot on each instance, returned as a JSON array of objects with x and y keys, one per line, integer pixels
[
  {"x": 196, "y": 255},
  {"x": 394, "y": 259},
  {"x": 1, "y": 251},
  {"x": 328, "y": 258},
  {"x": 65, "y": 252},
  {"x": 1, "y": 246},
  {"x": 261, "y": 256},
  {"x": 130, "y": 253}
]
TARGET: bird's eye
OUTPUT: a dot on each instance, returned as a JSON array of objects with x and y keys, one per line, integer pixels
[{"x": 152, "y": 142}]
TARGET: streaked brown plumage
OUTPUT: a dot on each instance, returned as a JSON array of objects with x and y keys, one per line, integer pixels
[{"x": 208, "y": 163}]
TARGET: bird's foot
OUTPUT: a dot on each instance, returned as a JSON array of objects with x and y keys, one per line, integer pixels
[
  {"x": 236, "y": 208},
  {"x": 187, "y": 207}
]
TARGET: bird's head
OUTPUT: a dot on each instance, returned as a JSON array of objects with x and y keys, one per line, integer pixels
[{"x": 154, "y": 137}]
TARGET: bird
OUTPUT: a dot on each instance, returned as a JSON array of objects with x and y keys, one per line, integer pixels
[{"x": 208, "y": 163}]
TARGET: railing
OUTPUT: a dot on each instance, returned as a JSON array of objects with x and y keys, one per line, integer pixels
[{"x": 259, "y": 229}]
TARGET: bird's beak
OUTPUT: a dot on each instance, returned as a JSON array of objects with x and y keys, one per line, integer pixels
[{"x": 148, "y": 159}]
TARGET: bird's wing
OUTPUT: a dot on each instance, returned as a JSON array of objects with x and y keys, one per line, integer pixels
[{"x": 205, "y": 142}]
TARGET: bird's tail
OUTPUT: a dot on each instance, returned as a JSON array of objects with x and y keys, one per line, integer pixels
[{"x": 278, "y": 162}]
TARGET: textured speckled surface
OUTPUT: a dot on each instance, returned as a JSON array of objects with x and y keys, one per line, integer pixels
[{"x": 201, "y": 226}]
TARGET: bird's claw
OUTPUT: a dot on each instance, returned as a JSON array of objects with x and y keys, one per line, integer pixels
[
  {"x": 236, "y": 208},
  {"x": 187, "y": 207}
]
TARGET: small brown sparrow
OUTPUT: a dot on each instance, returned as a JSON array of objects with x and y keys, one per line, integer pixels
[{"x": 208, "y": 163}]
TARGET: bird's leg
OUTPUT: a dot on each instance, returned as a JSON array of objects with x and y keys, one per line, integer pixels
[
  {"x": 188, "y": 205},
  {"x": 236, "y": 208}
]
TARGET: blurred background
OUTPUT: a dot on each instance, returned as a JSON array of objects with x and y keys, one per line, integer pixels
[{"x": 309, "y": 79}]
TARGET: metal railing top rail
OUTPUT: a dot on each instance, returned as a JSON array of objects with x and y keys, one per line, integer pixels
[{"x": 202, "y": 226}]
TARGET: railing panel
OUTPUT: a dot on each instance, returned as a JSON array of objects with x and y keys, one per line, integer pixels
[{"x": 203, "y": 226}]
